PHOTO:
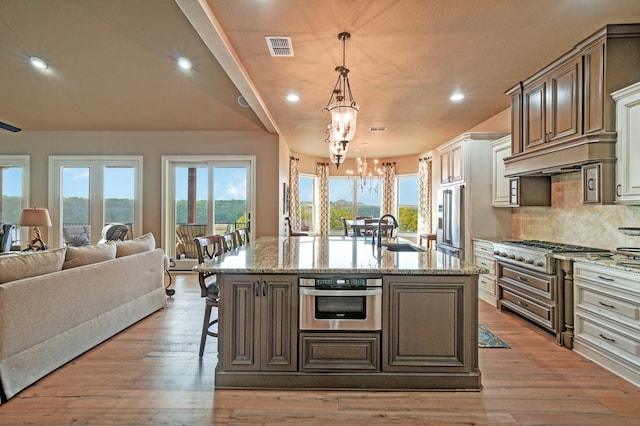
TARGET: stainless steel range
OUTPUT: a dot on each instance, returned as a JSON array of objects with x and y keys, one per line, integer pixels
[
  {"x": 537, "y": 284},
  {"x": 535, "y": 254}
]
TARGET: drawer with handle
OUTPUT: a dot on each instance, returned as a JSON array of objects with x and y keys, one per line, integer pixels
[
  {"x": 591, "y": 299},
  {"x": 604, "y": 337}
]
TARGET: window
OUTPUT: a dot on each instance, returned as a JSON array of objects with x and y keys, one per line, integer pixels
[
  {"x": 204, "y": 195},
  {"x": 407, "y": 202},
  {"x": 347, "y": 199},
  {"x": 14, "y": 191},
  {"x": 88, "y": 192},
  {"x": 306, "y": 185}
]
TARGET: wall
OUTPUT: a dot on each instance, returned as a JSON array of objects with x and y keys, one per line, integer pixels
[
  {"x": 152, "y": 145},
  {"x": 568, "y": 221}
]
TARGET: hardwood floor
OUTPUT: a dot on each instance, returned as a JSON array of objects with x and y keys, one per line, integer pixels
[{"x": 150, "y": 374}]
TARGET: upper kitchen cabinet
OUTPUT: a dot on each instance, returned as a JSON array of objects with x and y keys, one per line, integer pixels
[
  {"x": 462, "y": 154},
  {"x": 501, "y": 149},
  {"x": 451, "y": 164},
  {"x": 628, "y": 146},
  {"x": 563, "y": 116}
]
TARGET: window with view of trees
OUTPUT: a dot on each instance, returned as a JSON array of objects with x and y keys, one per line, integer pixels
[
  {"x": 407, "y": 194},
  {"x": 348, "y": 200},
  {"x": 14, "y": 188},
  {"x": 306, "y": 185}
]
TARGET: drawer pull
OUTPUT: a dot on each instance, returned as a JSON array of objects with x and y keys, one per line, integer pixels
[
  {"x": 521, "y": 303},
  {"x": 605, "y": 278},
  {"x": 522, "y": 278},
  {"x": 607, "y": 338},
  {"x": 606, "y": 305}
]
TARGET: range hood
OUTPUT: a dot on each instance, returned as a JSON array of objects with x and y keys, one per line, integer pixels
[{"x": 563, "y": 158}]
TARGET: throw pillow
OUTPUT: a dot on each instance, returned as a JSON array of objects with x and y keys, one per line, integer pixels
[
  {"x": 79, "y": 256},
  {"x": 27, "y": 265},
  {"x": 141, "y": 244}
]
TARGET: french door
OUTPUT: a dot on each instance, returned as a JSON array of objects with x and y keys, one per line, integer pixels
[
  {"x": 14, "y": 193},
  {"x": 203, "y": 196},
  {"x": 88, "y": 192}
]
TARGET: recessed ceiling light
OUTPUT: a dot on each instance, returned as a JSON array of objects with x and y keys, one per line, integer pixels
[
  {"x": 38, "y": 63},
  {"x": 456, "y": 97},
  {"x": 293, "y": 97},
  {"x": 184, "y": 63}
]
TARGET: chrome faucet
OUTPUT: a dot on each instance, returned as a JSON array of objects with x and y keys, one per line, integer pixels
[{"x": 379, "y": 236}]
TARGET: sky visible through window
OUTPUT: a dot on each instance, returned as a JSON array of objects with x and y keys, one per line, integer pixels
[{"x": 12, "y": 182}]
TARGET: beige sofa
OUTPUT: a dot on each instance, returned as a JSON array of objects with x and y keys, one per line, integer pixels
[{"x": 74, "y": 301}]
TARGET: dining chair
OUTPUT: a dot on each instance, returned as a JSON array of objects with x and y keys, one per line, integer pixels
[
  {"x": 344, "y": 226},
  {"x": 291, "y": 233},
  {"x": 229, "y": 241},
  {"x": 208, "y": 248},
  {"x": 242, "y": 236},
  {"x": 370, "y": 226}
]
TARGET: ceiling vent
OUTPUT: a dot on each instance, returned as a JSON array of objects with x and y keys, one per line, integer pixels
[
  {"x": 279, "y": 46},
  {"x": 377, "y": 129}
]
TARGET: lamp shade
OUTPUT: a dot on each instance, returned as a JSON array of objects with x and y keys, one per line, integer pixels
[{"x": 34, "y": 217}]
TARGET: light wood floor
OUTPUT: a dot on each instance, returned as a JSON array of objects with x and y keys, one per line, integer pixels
[{"x": 151, "y": 375}]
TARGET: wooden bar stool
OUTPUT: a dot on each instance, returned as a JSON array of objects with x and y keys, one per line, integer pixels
[{"x": 428, "y": 237}]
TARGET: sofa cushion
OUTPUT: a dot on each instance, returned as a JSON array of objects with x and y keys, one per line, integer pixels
[
  {"x": 27, "y": 265},
  {"x": 80, "y": 256},
  {"x": 141, "y": 244}
]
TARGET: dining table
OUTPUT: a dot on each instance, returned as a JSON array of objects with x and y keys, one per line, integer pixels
[{"x": 358, "y": 227}]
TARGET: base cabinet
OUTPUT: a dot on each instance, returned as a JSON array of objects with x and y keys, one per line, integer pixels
[
  {"x": 259, "y": 317},
  {"x": 483, "y": 256},
  {"x": 427, "y": 325},
  {"x": 607, "y": 318}
]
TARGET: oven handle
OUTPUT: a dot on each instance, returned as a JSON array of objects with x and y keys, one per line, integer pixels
[{"x": 340, "y": 293}]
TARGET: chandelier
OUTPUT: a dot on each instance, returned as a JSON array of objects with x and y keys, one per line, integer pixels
[
  {"x": 369, "y": 176},
  {"x": 343, "y": 109}
]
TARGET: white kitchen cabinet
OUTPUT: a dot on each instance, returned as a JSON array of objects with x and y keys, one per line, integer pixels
[
  {"x": 628, "y": 145},
  {"x": 451, "y": 167},
  {"x": 607, "y": 318},
  {"x": 483, "y": 256},
  {"x": 501, "y": 149}
]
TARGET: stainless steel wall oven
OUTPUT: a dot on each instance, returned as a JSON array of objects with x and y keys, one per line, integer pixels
[{"x": 340, "y": 304}]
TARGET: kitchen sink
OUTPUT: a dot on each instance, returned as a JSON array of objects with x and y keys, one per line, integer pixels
[{"x": 404, "y": 247}]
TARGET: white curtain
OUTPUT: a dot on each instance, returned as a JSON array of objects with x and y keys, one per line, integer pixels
[
  {"x": 388, "y": 189},
  {"x": 424, "y": 196},
  {"x": 322, "y": 171},
  {"x": 294, "y": 193}
]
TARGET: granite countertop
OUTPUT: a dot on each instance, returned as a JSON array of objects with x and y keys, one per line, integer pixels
[
  {"x": 610, "y": 260},
  {"x": 295, "y": 255}
]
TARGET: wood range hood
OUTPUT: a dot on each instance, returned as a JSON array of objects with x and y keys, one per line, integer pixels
[{"x": 563, "y": 117}]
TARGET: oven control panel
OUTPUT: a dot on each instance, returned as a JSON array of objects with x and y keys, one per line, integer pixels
[{"x": 340, "y": 283}]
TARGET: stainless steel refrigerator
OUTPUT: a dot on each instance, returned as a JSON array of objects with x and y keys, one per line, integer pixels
[{"x": 450, "y": 234}]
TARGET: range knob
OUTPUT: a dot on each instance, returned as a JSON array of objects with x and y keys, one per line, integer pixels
[
  {"x": 520, "y": 258},
  {"x": 529, "y": 261},
  {"x": 496, "y": 252},
  {"x": 503, "y": 253},
  {"x": 512, "y": 256},
  {"x": 539, "y": 263}
]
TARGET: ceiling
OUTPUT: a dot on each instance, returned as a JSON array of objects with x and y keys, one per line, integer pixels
[{"x": 112, "y": 64}]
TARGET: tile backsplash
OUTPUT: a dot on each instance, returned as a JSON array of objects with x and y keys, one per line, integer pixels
[{"x": 568, "y": 221}]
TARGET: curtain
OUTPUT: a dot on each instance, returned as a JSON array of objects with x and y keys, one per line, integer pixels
[
  {"x": 294, "y": 193},
  {"x": 322, "y": 171},
  {"x": 388, "y": 189},
  {"x": 424, "y": 196}
]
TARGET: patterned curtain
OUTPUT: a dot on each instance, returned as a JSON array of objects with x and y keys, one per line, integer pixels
[
  {"x": 294, "y": 193},
  {"x": 322, "y": 171},
  {"x": 424, "y": 196},
  {"x": 388, "y": 189}
]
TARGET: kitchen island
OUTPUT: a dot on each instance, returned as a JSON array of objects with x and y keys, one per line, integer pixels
[{"x": 427, "y": 337}]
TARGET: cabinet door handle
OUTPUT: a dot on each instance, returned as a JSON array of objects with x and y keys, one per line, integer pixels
[
  {"x": 590, "y": 184},
  {"x": 606, "y": 278},
  {"x": 608, "y": 339},
  {"x": 256, "y": 287},
  {"x": 264, "y": 288},
  {"x": 618, "y": 190},
  {"x": 606, "y": 305}
]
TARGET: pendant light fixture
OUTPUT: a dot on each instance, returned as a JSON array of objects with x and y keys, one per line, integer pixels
[
  {"x": 342, "y": 107},
  {"x": 368, "y": 174}
]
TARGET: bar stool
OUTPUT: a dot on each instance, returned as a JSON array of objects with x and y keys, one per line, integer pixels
[
  {"x": 428, "y": 237},
  {"x": 207, "y": 248}
]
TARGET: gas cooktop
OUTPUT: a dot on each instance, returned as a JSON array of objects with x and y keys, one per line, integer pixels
[{"x": 551, "y": 247}]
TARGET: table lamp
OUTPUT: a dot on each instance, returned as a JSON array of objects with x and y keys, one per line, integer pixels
[{"x": 35, "y": 217}]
